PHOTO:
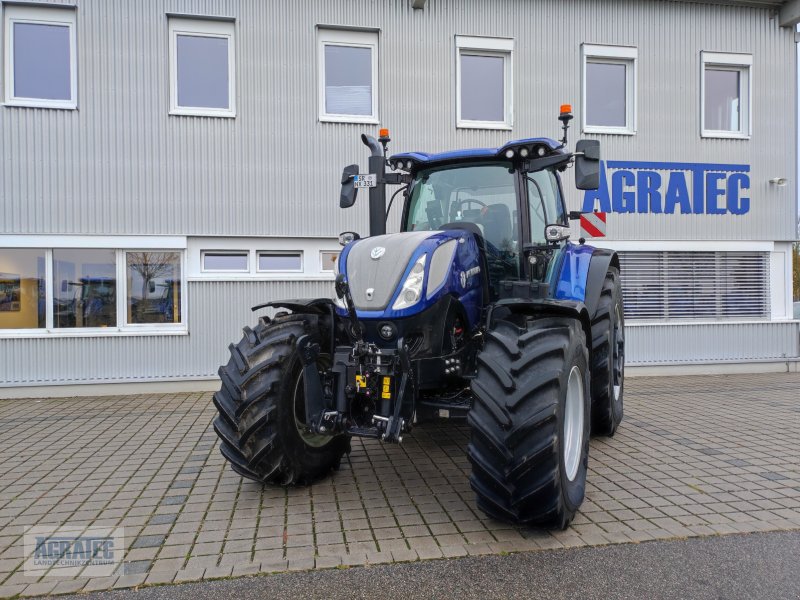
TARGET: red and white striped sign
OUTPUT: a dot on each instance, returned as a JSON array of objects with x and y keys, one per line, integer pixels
[{"x": 593, "y": 224}]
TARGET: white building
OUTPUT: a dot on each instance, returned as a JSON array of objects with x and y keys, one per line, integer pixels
[{"x": 166, "y": 165}]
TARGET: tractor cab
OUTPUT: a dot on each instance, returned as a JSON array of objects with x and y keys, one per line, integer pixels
[{"x": 490, "y": 194}]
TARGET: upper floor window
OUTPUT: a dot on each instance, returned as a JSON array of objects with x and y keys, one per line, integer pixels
[
  {"x": 202, "y": 74},
  {"x": 484, "y": 91},
  {"x": 725, "y": 91},
  {"x": 348, "y": 71},
  {"x": 40, "y": 57},
  {"x": 609, "y": 89}
]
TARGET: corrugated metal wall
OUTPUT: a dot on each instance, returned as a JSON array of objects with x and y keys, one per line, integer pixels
[
  {"x": 216, "y": 311},
  {"x": 121, "y": 165},
  {"x": 710, "y": 342}
]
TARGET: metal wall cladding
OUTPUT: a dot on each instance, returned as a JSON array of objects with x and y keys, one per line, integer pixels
[
  {"x": 120, "y": 164},
  {"x": 662, "y": 344},
  {"x": 217, "y": 311}
]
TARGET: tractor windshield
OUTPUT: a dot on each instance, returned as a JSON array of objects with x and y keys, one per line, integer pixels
[{"x": 483, "y": 194}]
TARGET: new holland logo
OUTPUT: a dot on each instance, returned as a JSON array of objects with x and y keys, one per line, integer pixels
[{"x": 377, "y": 252}]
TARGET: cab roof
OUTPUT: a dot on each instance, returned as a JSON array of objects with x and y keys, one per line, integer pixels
[{"x": 425, "y": 158}]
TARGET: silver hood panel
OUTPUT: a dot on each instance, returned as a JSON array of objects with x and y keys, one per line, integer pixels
[{"x": 373, "y": 281}]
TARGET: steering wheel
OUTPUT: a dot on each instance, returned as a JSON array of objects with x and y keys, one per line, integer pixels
[{"x": 458, "y": 204}]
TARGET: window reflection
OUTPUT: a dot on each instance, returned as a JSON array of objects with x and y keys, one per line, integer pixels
[
  {"x": 84, "y": 288},
  {"x": 22, "y": 291},
  {"x": 154, "y": 287}
]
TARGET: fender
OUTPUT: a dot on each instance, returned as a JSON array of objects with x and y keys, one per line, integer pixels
[
  {"x": 317, "y": 306},
  {"x": 602, "y": 259},
  {"x": 545, "y": 307}
]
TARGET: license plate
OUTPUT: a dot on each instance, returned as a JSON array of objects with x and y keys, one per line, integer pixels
[{"x": 365, "y": 181}]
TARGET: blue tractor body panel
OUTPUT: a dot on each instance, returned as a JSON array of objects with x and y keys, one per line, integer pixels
[{"x": 571, "y": 274}]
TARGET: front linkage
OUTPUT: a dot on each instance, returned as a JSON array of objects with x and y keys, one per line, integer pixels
[{"x": 384, "y": 384}]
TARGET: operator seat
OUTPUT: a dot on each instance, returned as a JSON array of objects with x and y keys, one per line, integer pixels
[{"x": 497, "y": 227}]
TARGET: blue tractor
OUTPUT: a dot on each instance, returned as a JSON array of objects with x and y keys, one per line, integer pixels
[{"x": 480, "y": 308}]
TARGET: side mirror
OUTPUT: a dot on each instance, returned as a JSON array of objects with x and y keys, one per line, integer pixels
[
  {"x": 348, "y": 196},
  {"x": 587, "y": 165},
  {"x": 151, "y": 286}
]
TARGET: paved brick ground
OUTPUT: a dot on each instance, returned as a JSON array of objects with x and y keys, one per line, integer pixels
[{"x": 695, "y": 456}]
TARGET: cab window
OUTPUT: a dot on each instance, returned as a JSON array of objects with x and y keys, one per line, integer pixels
[{"x": 544, "y": 203}]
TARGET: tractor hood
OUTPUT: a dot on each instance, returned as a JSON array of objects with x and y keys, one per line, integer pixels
[
  {"x": 375, "y": 265},
  {"x": 382, "y": 270}
]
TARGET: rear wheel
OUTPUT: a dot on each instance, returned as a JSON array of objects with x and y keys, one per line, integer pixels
[
  {"x": 261, "y": 407},
  {"x": 608, "y": 357},
  {"x": 530, "y": 421}
]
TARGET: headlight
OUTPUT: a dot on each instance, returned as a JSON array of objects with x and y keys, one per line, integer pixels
[{"x": 411, "y": 291}]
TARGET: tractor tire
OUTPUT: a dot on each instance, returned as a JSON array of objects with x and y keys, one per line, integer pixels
[
  {"x": 262, "y": 411},
  {"x": 608, "y": 357},
  {"x": 529, "y": 444}
]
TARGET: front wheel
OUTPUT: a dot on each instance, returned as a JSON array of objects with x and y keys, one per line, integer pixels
[
  {"x": 530, "y": 418},
  {"x": 261, "y": 407}
]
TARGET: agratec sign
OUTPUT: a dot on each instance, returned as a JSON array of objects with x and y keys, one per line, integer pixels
[{"x": 670, "y": 188}]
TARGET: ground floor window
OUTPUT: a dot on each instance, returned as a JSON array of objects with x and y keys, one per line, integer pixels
[
  {"x": 22, "y": 289},
  {"x": 154, "y": 287},
  {"x": 85, "y": 288},
  {"x": 695, "y": 285},
  {"x": 90, "y": 290}
]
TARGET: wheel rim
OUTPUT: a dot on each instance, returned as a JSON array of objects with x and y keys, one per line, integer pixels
[
  {"x": 573, "y": 423},
  {"x": 618, "y": 369},
  {"x": 315, "y": 440}
]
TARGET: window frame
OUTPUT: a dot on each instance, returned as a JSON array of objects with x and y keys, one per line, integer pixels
[
  {"x": 135, "y": 244},
  {"x": 335, "y": 269},
  {"x": 728, "y": 61},
  {"x": 495, "y": 48},
  {"x": 612, "y": 55},
  {"x": 298, "y": 253},
  {"x": 39, "y": 15},
  {"x": 354, "y": 38},
  {"x": 201, "y": 27},
  {"x": 204, "y": 252}
]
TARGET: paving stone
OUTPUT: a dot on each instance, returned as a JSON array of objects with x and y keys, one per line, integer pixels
[
  {"x": 38, "y": 589},
  {"x": 148, "y": 541},
  {"x": 136, "y": 567},
  {"x": 162, "y": 519},
  {"x": 99, "y": 583},
  {"x": 9, "y": 591},
  {"x": 174, "y": 500},
  {"x": 218, "y": 572},
  {"x": 129, "y": 581},
  {"x": 188, "y": 575}
]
